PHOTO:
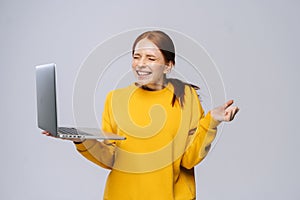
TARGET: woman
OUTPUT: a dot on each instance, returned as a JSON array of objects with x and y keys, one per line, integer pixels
[{"x": 165, "y": 126}]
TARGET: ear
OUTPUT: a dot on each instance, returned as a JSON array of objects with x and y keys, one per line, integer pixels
[{"x": 168, "y": 67}]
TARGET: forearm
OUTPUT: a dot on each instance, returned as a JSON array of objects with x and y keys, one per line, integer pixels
[
  {"x": 199, "y": 142},
  {"x": 100, "y": 153}
]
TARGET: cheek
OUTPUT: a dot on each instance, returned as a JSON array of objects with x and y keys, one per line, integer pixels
[
  {"x": 158, "y": 70},
  {"x": 133, "y": 64}
]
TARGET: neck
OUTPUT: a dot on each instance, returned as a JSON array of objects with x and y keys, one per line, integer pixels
[{"x": 151, "y": 87}]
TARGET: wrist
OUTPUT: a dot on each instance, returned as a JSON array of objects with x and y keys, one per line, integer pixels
[
  {"x": 214, "y": 122},
  {"x": 79, "y": 141}
]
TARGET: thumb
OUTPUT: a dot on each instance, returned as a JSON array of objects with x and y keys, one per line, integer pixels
[{"x": 228, "y": 103}]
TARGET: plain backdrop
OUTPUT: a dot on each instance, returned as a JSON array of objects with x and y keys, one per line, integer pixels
[{"x": 255, "y": 45}]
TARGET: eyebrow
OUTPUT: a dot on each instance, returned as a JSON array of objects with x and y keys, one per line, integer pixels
[{"x": 147, "y": 55}]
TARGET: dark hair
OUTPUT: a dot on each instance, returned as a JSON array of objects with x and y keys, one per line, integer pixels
[
  {"x": 167, "y": 48},
  {"x": 162, "y": 41}
]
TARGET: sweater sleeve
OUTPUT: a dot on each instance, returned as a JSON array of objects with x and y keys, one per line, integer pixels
[
  {"x": 203, "y": 132},
  {"x": 98, "y": 152}
]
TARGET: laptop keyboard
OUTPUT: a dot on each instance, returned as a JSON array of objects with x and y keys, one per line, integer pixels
[{"x": 66, "y": 130}]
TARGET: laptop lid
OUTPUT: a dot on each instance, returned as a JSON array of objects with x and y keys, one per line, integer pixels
[
  {"x": 46, "y": 98},
  {"x": 47, "y": 107}
]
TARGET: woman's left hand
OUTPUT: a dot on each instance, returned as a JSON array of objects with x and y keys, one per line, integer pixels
[{"x": 225, "y": 112}]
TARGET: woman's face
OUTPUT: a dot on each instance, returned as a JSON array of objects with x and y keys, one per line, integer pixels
[{"x": 149, "y": 65}]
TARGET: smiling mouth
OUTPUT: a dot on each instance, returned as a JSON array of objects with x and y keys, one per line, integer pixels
[{"x": 143, "y": 73}]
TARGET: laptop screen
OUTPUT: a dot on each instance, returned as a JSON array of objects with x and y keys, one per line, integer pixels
[{"x": 46, "y": 98}]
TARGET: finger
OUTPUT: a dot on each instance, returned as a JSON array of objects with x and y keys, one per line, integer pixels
[
  {"x": 234, "y": 112},
  {"x": 230, "y": 116},
  {"x": 46, "y": 133},
  {"x": 237, "y": 110},
  {"x": 234, "y": 108},
  {"x": 228, "y": 103},
  {"x": 227, "y": 115}
]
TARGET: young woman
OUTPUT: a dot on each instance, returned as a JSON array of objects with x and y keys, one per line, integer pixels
[{"x": 167, "y": 132}]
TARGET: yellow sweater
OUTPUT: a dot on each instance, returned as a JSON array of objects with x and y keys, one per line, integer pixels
[{"x": 164, "y": 143}]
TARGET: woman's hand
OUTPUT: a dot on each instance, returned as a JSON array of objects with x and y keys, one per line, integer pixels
[
  {"x": 225, "y": 112},
  {"x": 71, "y": 139}
]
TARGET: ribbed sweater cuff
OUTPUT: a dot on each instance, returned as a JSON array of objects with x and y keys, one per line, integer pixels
[
  {"x": 86, "y": 145},
  {"x": 210, "y": 122}
]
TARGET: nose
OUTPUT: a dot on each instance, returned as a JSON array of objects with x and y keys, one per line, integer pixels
[
  {"x": 141, "y": 63},
  {"x": 141, "y": 66}
]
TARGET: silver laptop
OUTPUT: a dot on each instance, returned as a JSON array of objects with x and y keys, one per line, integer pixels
[{"x": 47, "y": 112}]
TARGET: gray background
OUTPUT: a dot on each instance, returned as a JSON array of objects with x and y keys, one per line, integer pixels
[{"x": 255, "y": 45}]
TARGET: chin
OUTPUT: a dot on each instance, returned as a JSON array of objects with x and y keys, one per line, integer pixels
[{"x": 143, "y": 82}]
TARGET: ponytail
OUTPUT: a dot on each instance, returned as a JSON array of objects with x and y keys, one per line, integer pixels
[{"x": 179, "y": 90}]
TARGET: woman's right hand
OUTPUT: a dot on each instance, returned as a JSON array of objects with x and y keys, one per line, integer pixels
[{"x": 46, "y": 133}]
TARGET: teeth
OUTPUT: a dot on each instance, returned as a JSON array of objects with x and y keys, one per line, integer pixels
[{"x": 143, "y": 73}]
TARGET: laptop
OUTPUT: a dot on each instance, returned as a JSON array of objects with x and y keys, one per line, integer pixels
[{"x": 47, "y": 112}]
